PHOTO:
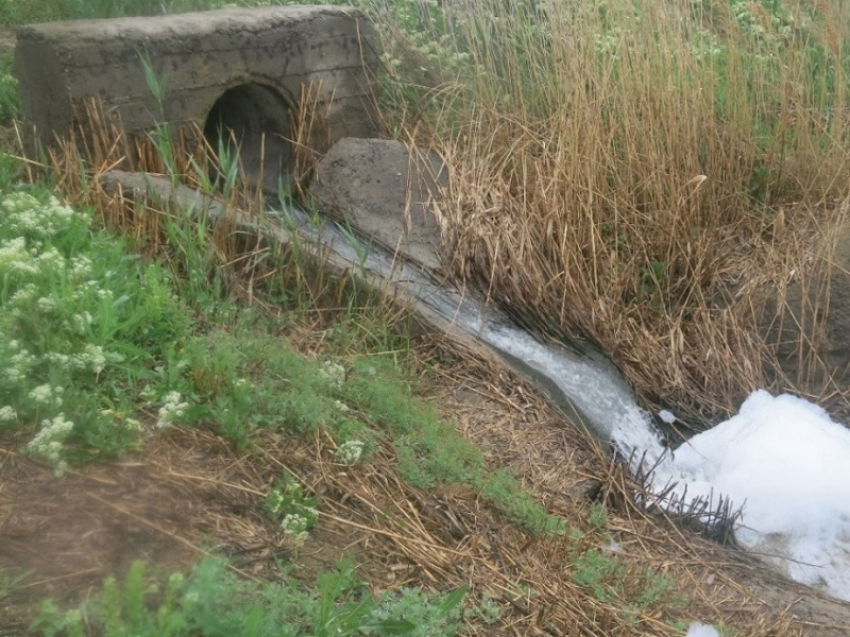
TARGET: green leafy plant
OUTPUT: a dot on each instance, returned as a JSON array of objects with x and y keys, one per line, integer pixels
[
  {"x": 424, "y": 614},
  {"x": 10, "y": 102},
  {"x": 213, "y": 602},
  {"x": 9, "y": 583},
  {"x": 296, "y": 512},
  {"x": 598, "y": 516},
  {"x": 77, "y": 330},
  {"x": 657, "y": 590},
  {"x": 600, "y": 573},
  {"x": 487, "y": 610},
  {"x": 431, "y": 451},
  {"x": 607, "y": 577}
]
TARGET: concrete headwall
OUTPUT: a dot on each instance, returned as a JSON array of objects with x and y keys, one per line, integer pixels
[{"x": 239, "y": 70}]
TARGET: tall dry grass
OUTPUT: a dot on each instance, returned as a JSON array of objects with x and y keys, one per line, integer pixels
[{"x": 644, "y": 173}]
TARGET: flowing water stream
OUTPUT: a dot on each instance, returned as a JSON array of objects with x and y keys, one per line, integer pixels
[{"x": 583, "y": 385}]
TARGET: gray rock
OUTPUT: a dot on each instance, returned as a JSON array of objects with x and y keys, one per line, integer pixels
[{"x": 386, "y": 192}]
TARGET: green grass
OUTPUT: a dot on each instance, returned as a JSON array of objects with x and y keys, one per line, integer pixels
[
  {"x": 249, "y": 380},
  {"x": 598, "y": 565},
  {"x": 9, "y": 583},
  {"x": 106, "y": 341},
  {"x": 214, "y": 602},
  {"x": 10, "y": 104}
]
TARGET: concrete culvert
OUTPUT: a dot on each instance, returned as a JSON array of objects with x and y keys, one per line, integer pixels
[
  {"x": 254, "y": 122},
  {"x": 236, "y": 71}
]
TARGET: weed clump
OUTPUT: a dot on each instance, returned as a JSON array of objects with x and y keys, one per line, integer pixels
[
  {"x": 82, "y": 337},
  {"x": 214, "y": 601}
]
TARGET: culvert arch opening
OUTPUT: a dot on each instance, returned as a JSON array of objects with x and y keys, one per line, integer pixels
[{"x": 254, "y": 120}]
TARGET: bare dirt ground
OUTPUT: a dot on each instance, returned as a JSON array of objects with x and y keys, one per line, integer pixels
[{"x": 186, "y": 493}]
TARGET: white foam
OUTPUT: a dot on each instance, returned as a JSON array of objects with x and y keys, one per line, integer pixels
[
  {"x": 788, "y": 465},
  {"x": 697, "y": 629}
]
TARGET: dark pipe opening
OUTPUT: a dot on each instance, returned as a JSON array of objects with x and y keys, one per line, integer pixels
[{"x": 254, "y": 120}]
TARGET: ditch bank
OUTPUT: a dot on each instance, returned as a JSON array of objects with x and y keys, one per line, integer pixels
[
  {"x": 250, "y": 77},
  {"x": 379, "y": 221}
]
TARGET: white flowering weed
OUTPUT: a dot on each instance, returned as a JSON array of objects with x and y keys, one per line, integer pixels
[
  {"x": 48, "y": 443},
  {"x": 297, "y": 512},
  {"x": 46, "y": 396},
  {"x": 295, "y": 526},
  {"x": 62, "y": 311},
  {"x": 171, "y": 411},
  {"x": 350, "y": 452},
  {"x": 333, "y": 373},
  {"x": 29, "y": 217}
]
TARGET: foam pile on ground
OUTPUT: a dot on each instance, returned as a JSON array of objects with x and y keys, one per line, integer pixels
[
  {"x": 696, "y": 629},
  {"x": 788, "y": 465}
]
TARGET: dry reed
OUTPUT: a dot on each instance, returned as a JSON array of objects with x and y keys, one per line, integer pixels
[{"x": 615, "y": 174}]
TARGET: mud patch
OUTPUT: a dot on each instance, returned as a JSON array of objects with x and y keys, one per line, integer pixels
[{"x": 64, "y": 536}]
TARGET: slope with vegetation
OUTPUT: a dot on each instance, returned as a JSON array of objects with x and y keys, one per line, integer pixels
[{"x": 203, "y": 435}]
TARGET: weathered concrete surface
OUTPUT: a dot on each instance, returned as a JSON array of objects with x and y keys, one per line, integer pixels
[
  {"x": 385, "y": 191},
  {"x": 235, "y": 69}
]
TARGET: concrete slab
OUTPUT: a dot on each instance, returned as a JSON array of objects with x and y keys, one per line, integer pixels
[
  {"x": 239, "y": 70},
  {"x": 385, "y": 191}
]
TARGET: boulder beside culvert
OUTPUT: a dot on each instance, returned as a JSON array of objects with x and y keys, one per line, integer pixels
[{"x": 386, "y": 192}]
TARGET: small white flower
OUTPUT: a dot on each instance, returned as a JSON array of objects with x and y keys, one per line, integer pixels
[
  {"x": 333, "y": 373},
  {"x": 57, "y": 359},
  {"x": 80, "y": 266},
  {"x": 46, "y": 395},
  {"x": 81, "y": 322},
  {"x": 46, "y": 304},
  {"x": 92, "y": 357},
  {"x": 350, "y": 452},
  {"x": 48, "y": 442},
  {"x": 8, "y": 414},
  {"x": 27, "y": 215},
  {"x": 50, "y": 259},
  {"x": 171, "y": 410},
  {"x": 24, "y": 296},
  {"x": 295, "y": 526},
  {"x": 15, "y": 258},
  {"x": 20, "y": 364}
]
